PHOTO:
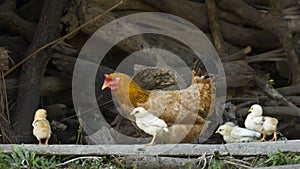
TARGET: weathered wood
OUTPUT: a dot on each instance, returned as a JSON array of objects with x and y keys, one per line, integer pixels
[
  {"x": 238, "y": 73},
  {"x": 240, "y": 55},
  {"x": 232, "y": 33},
  {"x": 219, "y": 42},
  {"x": 151, "y": 162},
  {"x": 52, "y": 84},
  {"x": 33, "y": 69},
  {"x": 292, "y": 166},
  {"x": 271, "y": 92},
  {"x": 273, "y": 111},
  {"x": 294, "y": 99},
  {"x": 183, "y": 150},
  {"x": 276, "y": 26},
  {"x": 14, "y": 23},
  {"x": 290, "y": 90}
]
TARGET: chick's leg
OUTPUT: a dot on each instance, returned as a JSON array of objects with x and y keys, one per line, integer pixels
[
  {"x": 152, "y": 141},
  {"x": 274, "y": 136},
  {"x": 40, "y": 142},
  {"x": 46, "y": 142},
  {"x": 263, "y": 138}
]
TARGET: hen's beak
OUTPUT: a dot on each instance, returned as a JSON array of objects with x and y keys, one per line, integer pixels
[{"x": 104, "y": 86}]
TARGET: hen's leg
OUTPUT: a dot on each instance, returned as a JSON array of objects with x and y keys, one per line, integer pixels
[
  {"x": 263, "y": 138},
  {"x": 152, "y": 141}
]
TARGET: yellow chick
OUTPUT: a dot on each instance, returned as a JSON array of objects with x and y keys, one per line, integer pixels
[
  {"x": 149, "y": 123},
  {"x": 232, "y": 133},
  {"x": 41, "y": 126},
  {"x": 263, "y": 124}
]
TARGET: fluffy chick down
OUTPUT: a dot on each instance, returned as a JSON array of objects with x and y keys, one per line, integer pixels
[
  {"x": 232, "y": 133},
  {"x": 41, "y": 126},
  {"x": 149, "y": 123},
  {"x": 263, "y": 124}
]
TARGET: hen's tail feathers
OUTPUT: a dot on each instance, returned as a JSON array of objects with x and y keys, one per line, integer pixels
[{"x": 199, "y": 68}]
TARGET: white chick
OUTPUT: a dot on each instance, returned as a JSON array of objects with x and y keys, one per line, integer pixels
[
  {"x": 41, "y": 126},
  {"x": 232, "y": 133},
  {"x": 263, "y": 124},
  {"x": 149, "y": 123}
]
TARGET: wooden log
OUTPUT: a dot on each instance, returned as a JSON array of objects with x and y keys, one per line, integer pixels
[
  {"x": 238, "y": 73},
  {"x": 291, "y": 166},
  {"x": 219, "y": 42},
  {"x": 275, "y": 55},
  {"x": 151, "y": 162},
  {"x": 88, "y": 10},
  {"x": 290, "y": 90},
  {"x": 277, "y": 26},
  {"x": 51, "y": 85},
  {"x": 33, "y": 69},
  {"x": 170, "y": 150},
  {"x": 14, "y": 23},
  {"x": 271, "y": 92},
  {"x": 272, "y": 111},
  {"x": 16, "y": 45},
  {"x": 240, "y": 55},
  {"x": 232, "y": 33},
  {"x": 294, "y": 99}
]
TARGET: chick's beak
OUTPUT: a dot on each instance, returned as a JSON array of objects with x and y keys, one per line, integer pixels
[
  {"x": 132, "y": 113},
  {"x": 104, "y": 86},
  {"x": 250, "y": 110},
  {"x": 217, "y": 131}
]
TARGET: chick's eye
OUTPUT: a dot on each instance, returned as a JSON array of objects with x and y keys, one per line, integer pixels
[
  {"x": 221, "y": 129},
  {"x": 137, "y": 111}
]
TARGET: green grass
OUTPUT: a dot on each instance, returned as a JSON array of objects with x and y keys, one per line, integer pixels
[
  {"x": 283, "y": 158},
  {"x": 230, "y": 162},
  {"x": 29, "y": 159}
]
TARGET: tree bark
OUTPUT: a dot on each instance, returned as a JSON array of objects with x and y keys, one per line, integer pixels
[
  {"x": 13, "y": 23},
  {"x": 32, "y": 71},
  {"x": 272, "y": 23}
]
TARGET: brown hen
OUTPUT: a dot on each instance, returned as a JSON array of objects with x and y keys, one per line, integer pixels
[{"x": 183, "y": 110}]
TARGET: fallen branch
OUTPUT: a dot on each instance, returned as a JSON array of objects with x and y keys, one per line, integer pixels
[
  {"x": 55, "y": 42},
  {"x": 240, "y": 55},
  {"x": 271, "y": 92},
  {"x": 276, "y": 25},
  {"x": 219, "y": 43},
  {"x": 270, "y": 56},
  {"x": 290, "y": 90},
  {"x": 13, "y": 23},
  {"x": 272, "y": 111}
]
